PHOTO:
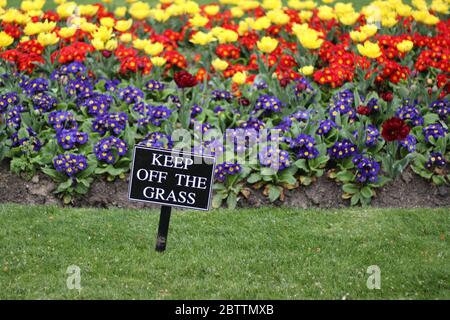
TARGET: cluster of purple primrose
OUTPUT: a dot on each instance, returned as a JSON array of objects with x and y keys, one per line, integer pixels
[
  {"x": 274, "y": 158},
  {"x": 70, "y": 164},
  {"x": 61, "y": 120},
  {"x": 196, "y": 110},
  {"x": 152, "y": 114},
  {"x": 79, "y": 86},
  {"x": 106, "y": 148},
  {"x": 409, "y": 143},
  {"x": 436, "y": 159},
  {"x": 131, "y": 94},
  {"x": 303, "y": 146},
  {"x": 268, "y": 103},
  {"x": 114, "y": 123},
  {"x": 367, "y": 169},
  {"x": 372, "y": 135},
  {"x": 441, "y": 107},
  {"x": 72, "y": 138},
  {"x": 435, "y": 130},
  {"x": 97, "y": 104},
  {"x": 65, "y": 71},
  {"x": 221, "y": 95},
  {"x": 253, "y": 123},
  {"x": 8, "y": 99},
  {"x": 409, "y": 111},
  {"x": 157, "y": 140},
  {"x": 342, "y": 103},
  {"x": 225, "y": 169},
  {"x": 154, "y": 85},
  {"x": 342, "y": 149},
  {"x": 325, "y": 126},
  {"x": 13, "y": 116}
]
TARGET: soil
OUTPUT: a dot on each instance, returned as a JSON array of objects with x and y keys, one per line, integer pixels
[{"x": 408, "y": 191}]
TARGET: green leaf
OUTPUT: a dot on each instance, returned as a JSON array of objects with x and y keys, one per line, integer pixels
[
  {"x": 344, "y": 176},
  {"x": 254, "y": 177},
  {"x": 231, "y": 201},
  {"x": 301, "y": 164},
  {"x": 267, "y": 171},
  {"x": 274, "y": 192},
  {"x": 366, "y": 192},
  {"x": 355, "y": 199},
  {"x": 217, "y": 201},
  {"x": 350, "y": 188}
]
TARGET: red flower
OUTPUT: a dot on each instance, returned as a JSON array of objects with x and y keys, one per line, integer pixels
[
  {"x": 363, "y": 110},
  {"x": 184, "y": 79},
  {"x": 395, "y": 129}
]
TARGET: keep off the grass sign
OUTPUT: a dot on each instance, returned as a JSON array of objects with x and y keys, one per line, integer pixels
[{"x": 170, "y": 178}]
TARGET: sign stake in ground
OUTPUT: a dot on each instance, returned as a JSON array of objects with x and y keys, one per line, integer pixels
[
  {"x": 163, "y": 229},
  {"x": 171, "y": 178}
]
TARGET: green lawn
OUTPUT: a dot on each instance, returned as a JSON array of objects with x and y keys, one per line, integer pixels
[{"x": 242, "y": 254}]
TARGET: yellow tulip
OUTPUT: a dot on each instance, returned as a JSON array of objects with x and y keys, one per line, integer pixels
[
  {"x": 67, "y": 32},
  {"x": 158, "y": 61},
  {"x": 48, "y": 39},
  {"x": 140, "y": 44},
  {"x": 237, "y": 12},
  {"x": 120, "y": 12},
  {"x": 405, "y": 46},
  {"x": 126, "y": 37},
  {"x": 226, "y": 36},
  {"x": 5, "y": 39},
  {"x": 111, "y": 45},
  {"x": 261, "y": 23},
  {"x": 358, "y": 36},
  {"x": 67, "y": 9},
  {"x": 154, "y": 49},
  {"x": 107, "y": 22},
  {"x": 32, "y": 28},
  {"x": 198, "y": 21},
  {"x": 305, "y": 15},
  {"x": 139, "y": 10},
  {"x": 123, "y": 25},
  {"x": 369, "y": 49},
  {"x": 219, "y": 65},
  {"x": 369, "y": 29},
  {"x": 307, "y": 70},
  {"x": 212, "y": 10},
  {"x": 87, "y": 10},
  {"x": 267, "y": 44},
  {"x": 239, "y": 78},
  {"x": 310, "y": 39},
  {"x": 202, "y": 38},
  {"x": 98, "y": 44}
]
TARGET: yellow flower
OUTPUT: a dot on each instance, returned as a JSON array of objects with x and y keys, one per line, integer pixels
[
  {"x": 87, "y": 10},
  {"x": 88, "y": 27},
  {"x": 107, "y": 22},
  {"x": 248, "y": 5},
  {"x": 267, "y": 44},
  {"x": 278, "y": 17},
  {"x": 405, "y": 46},
  {"x": 159, "y": 15},
  {"x": 126, "y": 37},
  {"x": 5, "y": 39},
  {"x": 226, "y": 36},
  {"x": 349, "y": 19},
  {"x": 301, "y": 5},
  {"x": 111, "y": 45},
  {"x": 139, "y": 10},
  {"x": 212, "y": 10},
  {"x": 237, "y": 12},
  {"x": 32, "y": 28},
  {"x": 326, "y": 13},
  {"x": 202, "y": 38},
  {"x": 140, "y": 44},
  {"x": 310, "y": 39},
  {"x": 48, "y": 39},
  {"x": 102, "y": 33},
  {"x": 369, "y": 49},
  {"x": 67, "y": 9},
  {"x": 271, "y": 4},
  {"x": 358, "y": 36},
  {"x": 67, "y": 32},
  {"x": 239, "y": 78},
  {"x": 120, "y": 12},
  {"x": 154, "y": 49},
  {"x": 440, "y": 6},
  {"x": 307, "y": 70},
  {"x": 98, "y": 44},
  {"x": 261, "y": 23},
  {"x": 3, "y": 3},
  {"x": 158, "y": 61},
  {"x": 305, "y": 15},
  {"x": 369, "y": 29},
  {"x": 123, "y": 25},
  {"x": 219, "y": 65},
  {"x": 24, "y": 39},
  {"x": 198, "y": 21}
]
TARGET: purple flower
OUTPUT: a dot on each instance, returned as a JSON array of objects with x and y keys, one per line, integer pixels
[
  {"x": 113, "y": 123},
  {"x": 434, "y": 130},
  {"x": 342, "y": 149},
  {"x": 69, "y": 139},
  {"x": 303, "y": 146},
  {"x": 274, "y": 158},
  {"x": 225, "y": 169},
  {"x": 366, "y": 169},
  {"x": 70, "y": 164},
  {"x": 107, "y": 148}
]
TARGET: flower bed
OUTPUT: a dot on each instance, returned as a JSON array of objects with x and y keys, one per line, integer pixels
[{"x": 317, "y": 90}]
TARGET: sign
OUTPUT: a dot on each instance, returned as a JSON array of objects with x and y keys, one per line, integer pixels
[
  {"x": 173, "y": 178},
  {"x": 170, "y": 178}
]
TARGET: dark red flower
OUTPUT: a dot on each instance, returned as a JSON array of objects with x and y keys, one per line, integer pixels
[
  {"x": 184, "y": 79},
  {"x": 284, "y": 82},
  {"x": 395, "y": 129},
  {"x": 243, "y": 101},
  {"x": 387, "y": 96},
  {"x": 363, "y": 110}
]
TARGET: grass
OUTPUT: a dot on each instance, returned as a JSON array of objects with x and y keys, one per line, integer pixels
[{"x": 243, "y": 254}]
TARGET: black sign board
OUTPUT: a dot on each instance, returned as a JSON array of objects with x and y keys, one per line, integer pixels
[{"x": 170, "y": 178}]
